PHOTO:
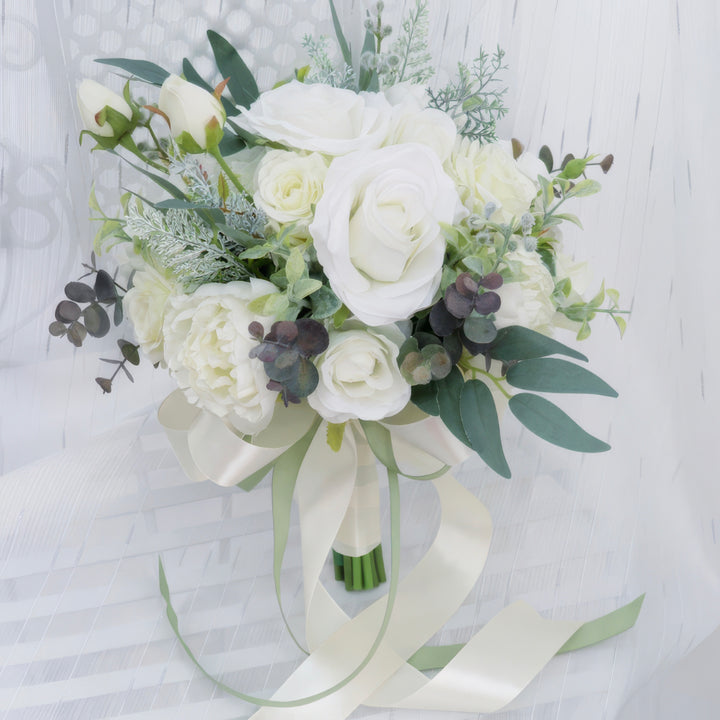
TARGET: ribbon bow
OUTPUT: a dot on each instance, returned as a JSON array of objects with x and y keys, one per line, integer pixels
[{"x": 376, "y": 658}]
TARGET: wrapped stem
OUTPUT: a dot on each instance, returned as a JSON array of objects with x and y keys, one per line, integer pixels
[{"x": 357, "y": 551}]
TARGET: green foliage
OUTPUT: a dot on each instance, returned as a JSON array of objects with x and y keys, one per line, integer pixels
[
  {"x": 412, "y": 61},
  {"x": 474, "y": 99},
  {"x": 323, "y": 69},
  {"x": 241, "y": 82},
  {"x": 179, "y": 243}
]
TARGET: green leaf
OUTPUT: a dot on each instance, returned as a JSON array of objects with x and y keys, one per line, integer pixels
[
  {"x": 546, "y": 156},
  {"x": 621, "y": 324},
  {"x": 335, "y": 432},
  {"x": 519, "y": 343},
  {"x": 555, "y": 375},
  {"x": 599, "y": 299},
  {"x": 342, "y": 42},
  {"x": 142, "y": 69},
  {"x": 325, "y": 303},
  {"x": 166, "y": 185},
  {"x": 584, "y": 331},
  {"x": 574, "y": 168},
  {"x": 295, "y": 267},
  {"x": 256, "y": 252},
  {"x": 480, "y": 420},
  {"x": 270, "y": 304},
  {"x": 305, "y": 286},
  {"x": 549, "y": 422},
  {"x": 368, "y": 79},
  {"x": 192, "y": 75},
  {"x": 585, "y": 188},
  {"x": 614, "y": 296},
  {"x": 129, "y": 352},
  {"x": 449, "y": 390},
  {"x": 341, "y": 316},
  {"x": 426, "y": 398},
  {"x": 570, "y": 218},
  {"x": 241, "y": 82},
  {"x": 479, "y": 328}
]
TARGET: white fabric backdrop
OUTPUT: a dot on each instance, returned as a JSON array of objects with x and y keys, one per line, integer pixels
[{"x": 91, "y": 493}]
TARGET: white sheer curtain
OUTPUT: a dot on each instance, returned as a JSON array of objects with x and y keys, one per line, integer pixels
[{"x": 91, "y": 493}]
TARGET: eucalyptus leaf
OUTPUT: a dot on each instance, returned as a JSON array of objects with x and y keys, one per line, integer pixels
[
  {"x": 585, "y": 188},
  {"x": 67, "y": 311},
  {"x": 550, "y": 423},
  {"x": 342, "y": 42},
  {"x": 520, "y": 343},
  {"x": 449, "y": 390},
  {"x": 426, "y": 398},
  {"x": 142, "y": 69},
  {"x": 96, "y": 320},
  {"x": 57, "y": 328},
  {"x": 129, "y": 352},
  {"x": 480, "y": 420},
  {"x": 546, "y": 156},
  {"x": 556, "y": 375},
  {"x": 105, "y": 287},
  {"x": 76, "y": 334},
  {"x": 479, "y": 329},
  {"x": 304, "y": 287},
  {"x": 241, "y": 82},
  {"x": 79, "y": 292}
]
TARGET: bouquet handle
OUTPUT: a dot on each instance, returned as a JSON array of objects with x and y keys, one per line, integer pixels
[{"x": 357, "y": 549}]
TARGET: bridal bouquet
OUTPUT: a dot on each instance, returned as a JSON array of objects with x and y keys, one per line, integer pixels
[{"x": 348, "y": 268}]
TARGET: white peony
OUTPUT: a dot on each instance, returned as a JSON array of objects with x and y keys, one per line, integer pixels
[
  {"x": 487, "y": 174},
  {"x": 145, "y": 304},
  {"x": 319, "y": 118},
  {"x": 288, "y": 185},
  {"x": 359, "y": 375},
  {"x": 207, "y": 347},
  {"x": 92, "y": 97},
  {"x": 526, "y": 297},
  {"x": 190, "y": 109},
  {"x": 377, "y": 232}
]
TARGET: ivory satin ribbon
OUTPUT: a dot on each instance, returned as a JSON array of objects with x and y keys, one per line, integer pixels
[{"x": 488, "y": 673}]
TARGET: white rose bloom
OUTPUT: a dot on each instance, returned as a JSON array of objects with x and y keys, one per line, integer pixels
[
  {"x": 527, "y": 298},
  {"x": 319, "y": 118},
  {"x": 377, "y": 232},
  {"x": 207, "y": 347},
  {"x": 145, "y": 304},
  {"x": 359, "y": 375},
  {"x": 288, "y": 185},
  {"x": 413, "y": 121},
  {"x": 189, "y": 108},
  {"x": 488, "y": 174},
  {"x": 92, "y": 97}
]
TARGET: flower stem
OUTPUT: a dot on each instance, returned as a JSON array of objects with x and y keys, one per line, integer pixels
[
  {"x": 215, "y": 152},
  {"x": 360, "y": 573}
]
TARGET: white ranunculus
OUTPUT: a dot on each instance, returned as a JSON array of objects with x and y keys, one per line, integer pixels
[
  {"x": 377, "y": 232},
  {"x": 145, "y": 304},
  {"x": 319, "y": 118},
  {"x": 488, "y": 174},
  {"x": 92, "y": 97},
  {"x": 189, "y": 108},
  {"x": 207, "y": 346},
  {"x": 413, "y": 121},
  {"x": 359, "y": 375},
  {"x": 288, "y": 185},
  {"x": 527, "y": 297}
]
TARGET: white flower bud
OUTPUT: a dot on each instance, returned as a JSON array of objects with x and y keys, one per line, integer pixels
[{"x": 92, "y": 97}]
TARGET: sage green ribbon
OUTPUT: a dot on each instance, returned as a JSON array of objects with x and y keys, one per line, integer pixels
[{"x": 376, "y": 657}]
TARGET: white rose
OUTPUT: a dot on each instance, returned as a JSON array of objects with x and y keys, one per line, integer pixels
[
  {"x": 412, "y": 121},
  {"x": 319, "y": 118},
  {"x": 288, "y": 185},
  {"x": 488, "y": 174},
  {"x": 92, "y": 97},
  {"x": 359, "y": 375},
  {"x": 189, "y": 108},
  {"x": 145, "y": 304},
  {"x": 527, "y": 297},
  {"x": 207, "y": 346},
  {"x": 377, "y": 232}
]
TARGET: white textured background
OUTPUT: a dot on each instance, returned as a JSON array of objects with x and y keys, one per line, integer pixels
[{"x": 91, "y": 494}]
